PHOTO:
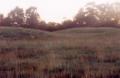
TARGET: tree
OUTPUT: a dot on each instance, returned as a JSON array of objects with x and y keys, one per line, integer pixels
[
  {"x": 68, "y": 24},
  {"x": 108, "y": 15},
  {"x": 1, "y": 19},
  {"x": 87, "y": 16},
  {"x": 32, "y": 16},
  {"x": 16, "y": 17},
  {"x": 98, "y": 15}
]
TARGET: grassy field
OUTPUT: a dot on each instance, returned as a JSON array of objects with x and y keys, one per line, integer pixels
[{"x": 71, "y": 53}]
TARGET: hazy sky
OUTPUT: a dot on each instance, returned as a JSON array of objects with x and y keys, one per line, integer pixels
[{"x": 49, "y": 10}]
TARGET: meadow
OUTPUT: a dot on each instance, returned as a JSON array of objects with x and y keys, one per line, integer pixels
[{"x": 72, "y": 53}]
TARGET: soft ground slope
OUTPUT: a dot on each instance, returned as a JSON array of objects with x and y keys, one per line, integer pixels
[
  {"x": 72, "y": 53},
  {"x": 21, "y": 33}
]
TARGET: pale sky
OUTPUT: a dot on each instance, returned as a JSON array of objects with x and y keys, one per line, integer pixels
[{"x": 49, "y": 10}]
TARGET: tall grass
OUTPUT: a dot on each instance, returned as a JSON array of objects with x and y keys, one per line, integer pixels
[{"x": 62, "y": 55}]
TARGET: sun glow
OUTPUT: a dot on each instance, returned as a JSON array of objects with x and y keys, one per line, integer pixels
[{"x": 50, "y": 10}]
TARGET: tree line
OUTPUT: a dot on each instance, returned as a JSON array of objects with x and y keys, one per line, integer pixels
[{"x": 96, "y": 15}]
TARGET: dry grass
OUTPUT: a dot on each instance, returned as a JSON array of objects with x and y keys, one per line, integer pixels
[{"x": 74, "y": 53}]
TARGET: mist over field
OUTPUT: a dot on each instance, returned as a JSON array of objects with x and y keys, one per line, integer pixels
[{"x": 86, "y": 46}]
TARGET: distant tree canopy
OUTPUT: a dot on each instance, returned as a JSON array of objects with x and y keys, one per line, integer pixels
[
  {"x": 16, "y": 16},
  {"x": 1, "y": 19},
  {"x": 32, "y": 17},
  {"x": 97, "y": 15}
]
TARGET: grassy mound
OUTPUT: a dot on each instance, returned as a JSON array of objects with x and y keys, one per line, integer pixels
[
  {"x": 21, "y": 33},
  {"x": 72, "y": 53}
]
